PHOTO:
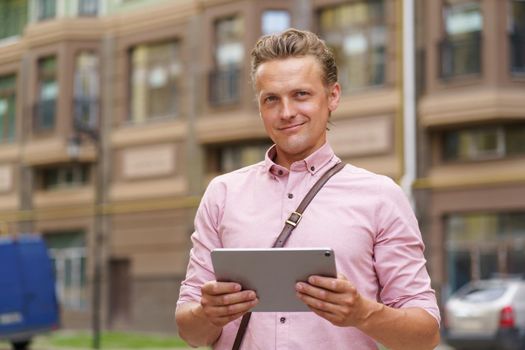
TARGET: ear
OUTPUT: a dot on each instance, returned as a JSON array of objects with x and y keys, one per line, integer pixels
[{"x": 334, "y": 95}]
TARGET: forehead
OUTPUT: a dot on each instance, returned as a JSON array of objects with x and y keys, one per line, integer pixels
[{"x": 306, "y": 69}]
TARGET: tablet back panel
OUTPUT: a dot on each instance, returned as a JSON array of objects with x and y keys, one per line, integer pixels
[{"x": 273, "y": 272}]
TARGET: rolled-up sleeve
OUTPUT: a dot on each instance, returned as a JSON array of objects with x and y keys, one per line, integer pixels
[
  {"x": 204, "y": 239},
  {"x": 398, "y": 255}
]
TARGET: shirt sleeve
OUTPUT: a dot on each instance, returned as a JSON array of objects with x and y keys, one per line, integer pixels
[
  {"x": 204, "y": 239},
  {"x": 398, "y": 254}
]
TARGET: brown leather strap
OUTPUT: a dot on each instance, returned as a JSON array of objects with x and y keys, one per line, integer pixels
[{"x": 290, "y": 224}]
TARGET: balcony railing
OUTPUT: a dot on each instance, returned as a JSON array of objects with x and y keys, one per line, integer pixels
[
  {"x": 224, "y": 86},
  {"x": 44, "y": 115},
  {"x": 86, "y": 113},
  {"x": 517, "y": 52},
  {"x": 460, "y": 56}
]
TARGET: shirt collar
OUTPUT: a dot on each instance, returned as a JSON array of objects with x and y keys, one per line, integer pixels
[{"x": 313, "y": 163}]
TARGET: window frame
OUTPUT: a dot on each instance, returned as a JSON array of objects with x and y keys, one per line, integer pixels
[
  {"x": 9, "y": 93},
  {"x": 174, "y": 82},
  {"x": 472, "y": 135},
  {"x": 376, "y": 69},
  {"x": 450, "y": 44},
  {"x": 42, "y": 104}
]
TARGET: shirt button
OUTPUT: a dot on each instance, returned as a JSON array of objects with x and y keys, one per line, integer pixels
[
  {"x": 312, "y": 168},
  {"x": 290, "y": 195},
  {"x": 282, "y": 319}
]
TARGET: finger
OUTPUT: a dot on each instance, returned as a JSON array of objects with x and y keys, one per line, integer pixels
[
  {"x": 230, "y": 310},
  {"x": 341, "y": 277},
  {"x": 218, "y": 288},
  {"x": 321, "y": 293},
  {"x": 222, "y": 321},
  {"x": 229, "y": 299},
  {"x": 332, "y": 284},
  {"x": 319, "y": 304}
]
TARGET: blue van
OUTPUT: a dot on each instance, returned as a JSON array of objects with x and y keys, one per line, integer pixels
[{"x": 28, "y": 303}]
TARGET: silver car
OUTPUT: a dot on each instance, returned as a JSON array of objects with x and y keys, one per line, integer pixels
[{"x": 487, "y": 314}]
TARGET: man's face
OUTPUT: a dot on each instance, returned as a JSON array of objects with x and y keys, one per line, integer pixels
[{"x": 294, "y": 105}]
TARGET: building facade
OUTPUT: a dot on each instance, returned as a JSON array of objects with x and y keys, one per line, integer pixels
[
  {"x": 471, "y": 130},
  {"x": 156, "y": 97}
]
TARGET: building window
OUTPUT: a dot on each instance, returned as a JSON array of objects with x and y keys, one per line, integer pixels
[
  {"x": 87, "y": 7},
  {"x": 482, "y": 245},
  {"x": 7, "y": 108},
  {"x": 63, "y": 176},
  {"x": 357, "y": 33},
  {"x": 46, "y": 9},
  {"x": 517, "y": 36},
  {"x": 86, "y": 91},
  {"x": 225, "y": 158},
  {"x": 275, "y": 21},
  {"x": 224, "y": 79},
  {"x": 68, "y": 252},
  {"x": 45, "y": 108},
  {"x": 482, "y": 143},
  {"x": 13, "y": 16},
  {"x": 155, "y": 85},
  {"x": 461, "y": 47}
]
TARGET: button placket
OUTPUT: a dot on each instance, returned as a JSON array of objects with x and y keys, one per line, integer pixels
[{"x": 289, "y": 195}]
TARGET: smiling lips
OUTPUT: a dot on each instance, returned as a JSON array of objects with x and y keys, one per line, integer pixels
[{"x": 290, "y": 127}]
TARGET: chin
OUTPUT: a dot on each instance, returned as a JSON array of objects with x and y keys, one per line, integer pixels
[{"x": 296, "y": 147}]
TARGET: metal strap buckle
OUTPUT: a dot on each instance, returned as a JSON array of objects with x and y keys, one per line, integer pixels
[{"x": 294, "y": 218}]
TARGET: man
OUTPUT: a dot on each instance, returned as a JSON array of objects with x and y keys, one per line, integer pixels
[{"x": 383, "y": 291}]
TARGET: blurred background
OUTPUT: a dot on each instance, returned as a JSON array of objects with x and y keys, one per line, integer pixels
[{"x": 115, "y": 114}]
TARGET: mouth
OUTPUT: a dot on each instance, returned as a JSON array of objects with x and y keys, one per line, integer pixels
[{"x": 292, "y": 127}]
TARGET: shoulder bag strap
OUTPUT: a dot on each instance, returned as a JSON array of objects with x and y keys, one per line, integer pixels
[{"x": 290, "y": 224}]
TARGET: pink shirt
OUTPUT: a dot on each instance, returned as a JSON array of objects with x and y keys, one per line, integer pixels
[{"x": 364, "y": 217}]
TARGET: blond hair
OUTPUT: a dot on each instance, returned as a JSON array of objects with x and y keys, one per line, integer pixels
[{"x": 294, "y": 43}]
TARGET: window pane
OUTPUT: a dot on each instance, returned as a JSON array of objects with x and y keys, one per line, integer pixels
[
  {"x": 482, "y": 242},
  {"x": 516, "y": 260},
  {"x": 459, "y": 267},
  {"x": 229, "y": 47},
  {"x": 475, "y": 143},
  {"x": 515, "y": 139},
  {"x": 86, "y": 91},
  {"x": 274, "y": 21},
  {"x": 13, "y": 16},
  {"x": 357, "y": 34},
  {"x": 155, "y": 79},
  {"x": 64, "y": 176},
  {"x": 7, "y": 107},
  {"x": 68, "y": 251},
  {"x": 226, "y": 158},
  {"x": 463, "y": 18},
  {"x": 461, "y": 47},
  {"x": 224, "y": 80},
  {"x": 87, "y": 7},
  {"x": 488, "y": 264},
  {"x": 45, "y": 108},
  {"x": 46, "y": 9}
]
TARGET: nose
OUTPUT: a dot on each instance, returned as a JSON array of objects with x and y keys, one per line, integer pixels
[{"x": 287, "y": 109}]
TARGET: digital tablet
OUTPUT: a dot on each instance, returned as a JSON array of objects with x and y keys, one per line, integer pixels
[{"x": 273, "y": 272}]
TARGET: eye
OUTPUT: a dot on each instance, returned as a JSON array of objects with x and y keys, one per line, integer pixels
[
  {"x": 302, "y": 93},
  {"x": 270, "y": 99}
]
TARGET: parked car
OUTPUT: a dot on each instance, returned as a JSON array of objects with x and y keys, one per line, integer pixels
[
  {"x": 28, "y": 303},
  {"x": 487, "y": 314}
]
